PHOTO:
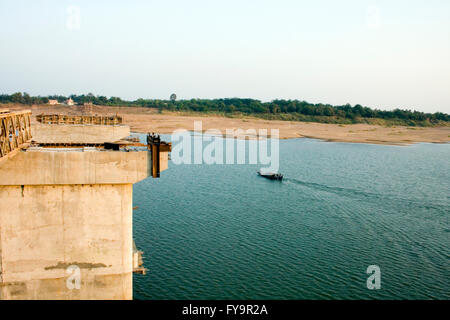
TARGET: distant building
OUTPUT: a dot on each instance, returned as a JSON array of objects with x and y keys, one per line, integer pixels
[
  {"x": 53, "y": 102},
  {"x": 70, "y": 102}
]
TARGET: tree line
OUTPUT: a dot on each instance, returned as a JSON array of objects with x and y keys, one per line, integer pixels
[{"x": 276, "y": 109}]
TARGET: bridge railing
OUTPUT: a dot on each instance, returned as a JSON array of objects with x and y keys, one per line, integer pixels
[
  {"x": 72, "y": 119},
  {"x": 15, "y": 131}
]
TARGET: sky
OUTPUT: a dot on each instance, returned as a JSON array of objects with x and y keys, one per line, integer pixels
[{"x": 381, "y": 54}]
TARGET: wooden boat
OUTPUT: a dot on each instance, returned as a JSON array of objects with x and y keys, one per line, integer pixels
[{"x": 271, "y": 176}]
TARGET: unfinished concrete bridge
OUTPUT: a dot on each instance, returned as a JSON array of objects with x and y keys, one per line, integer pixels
[{"x": 66, "y": 205}]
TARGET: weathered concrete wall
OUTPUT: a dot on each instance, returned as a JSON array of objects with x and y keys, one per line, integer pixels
[
  {"x": 63, "y": 207},
  {"x": 163, "y": 161},
  {"x": 48, "y": 166},
  {"x": 45, "y": 229},
  {"x": 77, "y": 133}
]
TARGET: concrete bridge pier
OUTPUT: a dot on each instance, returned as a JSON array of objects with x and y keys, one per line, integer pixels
[{"x": 66, "y": 222}]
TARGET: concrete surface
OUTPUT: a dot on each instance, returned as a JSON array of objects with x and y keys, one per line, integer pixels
[
  {"x": 47, "y": 166},
  {"x": 78, "y": 133},
  {"x": 68, "y": 207},
  {"x": 46, "y": 229}
]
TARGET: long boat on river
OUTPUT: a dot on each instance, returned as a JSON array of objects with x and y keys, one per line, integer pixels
[{"x": 271, "y": 176}]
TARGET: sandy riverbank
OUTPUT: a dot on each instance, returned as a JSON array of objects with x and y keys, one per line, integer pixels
[{"x": 149, "y": 120}]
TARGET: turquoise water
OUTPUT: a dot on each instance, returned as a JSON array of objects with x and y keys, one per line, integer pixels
[{"x": 222, "y": 232}]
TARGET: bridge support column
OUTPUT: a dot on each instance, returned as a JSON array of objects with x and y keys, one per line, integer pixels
[{"x": 66, "y": 223}]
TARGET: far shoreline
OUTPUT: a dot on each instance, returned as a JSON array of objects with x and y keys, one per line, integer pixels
[
  {"x": 143, "y": 120},
  {"x": 393, "y": 144}
]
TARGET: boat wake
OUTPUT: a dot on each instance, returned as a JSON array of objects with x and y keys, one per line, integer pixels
[{"x": 373, "y": 197}]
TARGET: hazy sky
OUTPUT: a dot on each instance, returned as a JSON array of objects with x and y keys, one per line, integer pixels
[{"x": 382, "y": 54}]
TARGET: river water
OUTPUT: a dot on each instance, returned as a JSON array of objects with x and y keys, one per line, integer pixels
[{"x": 222, "y": 232}]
